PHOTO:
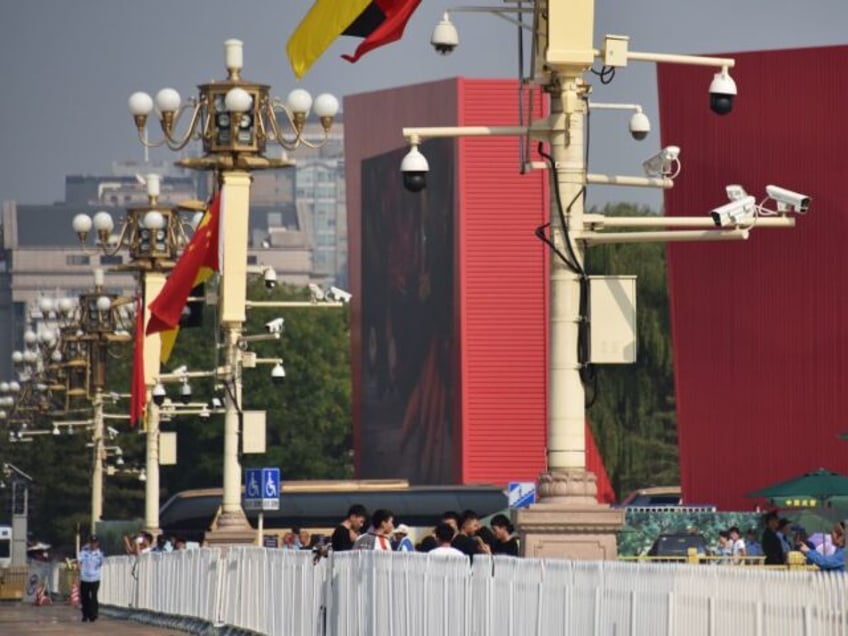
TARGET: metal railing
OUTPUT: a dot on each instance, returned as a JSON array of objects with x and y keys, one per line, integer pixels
[{"x": 375, "y": 593}]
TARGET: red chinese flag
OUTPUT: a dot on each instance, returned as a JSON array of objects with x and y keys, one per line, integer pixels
[
  {"x": 382, "y": 22},
  {"x": 138, "y": 390},
  {"x": 196, "y": 264}
]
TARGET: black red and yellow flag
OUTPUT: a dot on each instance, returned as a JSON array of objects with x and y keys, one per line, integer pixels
[{"x": 379, "y": 22}]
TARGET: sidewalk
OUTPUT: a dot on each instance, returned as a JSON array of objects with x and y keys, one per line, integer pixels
[{"x": 18, "y": 619}]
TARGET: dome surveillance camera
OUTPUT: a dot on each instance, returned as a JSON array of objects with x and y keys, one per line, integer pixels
[
  {"x": 185, "y": 393},
  {"x": 414, "y": 168},
  {"x": 639, "y": 126},
  {"x": 722, "y": 92},
  {"x": 278, "y": 374},
  {"x": 270, "y": 277},
  {"x": 159, "y": 394},
  {"x": 445, "y": 38}
]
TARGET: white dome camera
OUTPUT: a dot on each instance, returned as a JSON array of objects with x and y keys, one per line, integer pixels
[
  {"x": 270, "y": 278},
  {"x": 639, "y": 125},
  {"x": 278, "y": 373},
  {"x": 445, "y": 38},
  {"x": 722, "y": 93},
  {"x": 185, "y": 393},
  {"x": 414, "y": 168},
  {"x": 159, "y": 394}
]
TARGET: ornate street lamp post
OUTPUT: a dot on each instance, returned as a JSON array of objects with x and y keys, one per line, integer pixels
[
  {"x": 234, "y": 120},
  {"x": 154, "y": 235}
]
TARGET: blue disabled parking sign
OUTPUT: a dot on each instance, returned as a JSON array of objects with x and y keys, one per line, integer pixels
[
  {"x": 521, "y": 493},
  {"x": 262, "y": 488}
]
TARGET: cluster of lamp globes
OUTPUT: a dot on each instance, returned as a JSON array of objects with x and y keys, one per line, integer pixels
[
  {"x": 7, "y": 400},
  {"x": 237, "y": 100}
]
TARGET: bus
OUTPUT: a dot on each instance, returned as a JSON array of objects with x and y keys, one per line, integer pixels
[
  {"x": 318, "y": 506},
  {"x": 5, "y": 546}
]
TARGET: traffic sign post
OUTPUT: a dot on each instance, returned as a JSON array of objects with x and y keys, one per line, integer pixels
[{"x": 261, "y": 492}]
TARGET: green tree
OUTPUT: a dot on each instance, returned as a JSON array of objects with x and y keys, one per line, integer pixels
[
  {"x": 308, "y": 416},
  {"x": 308, "y": 421},
  {"x": 633, "y": 415}
]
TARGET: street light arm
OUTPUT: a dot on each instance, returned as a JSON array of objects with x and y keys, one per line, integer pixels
[
  {"x": 11, "y": 468},
  {"x": 605, "y": 238},
  {"x": 676, "y": 58},
  {"x": 282, "y": 304},
  {"x": 168, "y": 122},
  {"x": 296, "y": 121},
  {"x": 598, "y": 221},
  {"x": 503, "y": 13}
]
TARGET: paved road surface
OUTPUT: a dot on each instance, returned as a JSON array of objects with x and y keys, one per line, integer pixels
[{"x": 17, "y": 619}]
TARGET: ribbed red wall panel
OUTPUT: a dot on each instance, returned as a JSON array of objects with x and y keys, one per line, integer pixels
[
  {"x": 502, "y": 294},
  {"x": 759, "y": 327}
]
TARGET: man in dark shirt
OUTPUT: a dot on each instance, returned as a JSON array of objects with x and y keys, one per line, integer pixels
[
  {"x": 505, "y": 543},
  {"x": 347, "y": 531},
  {"x": 466, "y": 540},
  {"x": 772, "y": 548}
]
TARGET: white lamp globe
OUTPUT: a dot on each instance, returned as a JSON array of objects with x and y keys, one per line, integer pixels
[
  {"x": 30, "y": 337},
  {"x": 17, "y": 357},
  {"x": 154, "y": 220},
  {"x": 168, "y": 100},
  {"x": 238, "y": 100},
  {"x": 299, "y": 101},
  {"x": 66, "y": 305},
  {"x": 104, "y": 303},
  {"x": 45, "y": 305},
  {"x": 29, "y": 356},
  {"x": 81, "y": 223},
  {"x": 14, "y": 387},
  {"x": 140, "y": 103},
  {"x": 103, "y": 221},
  {"x": 326, "y": 105},
  {"x": 4, "y": 387},
  {"x": 56, "y": 356}
]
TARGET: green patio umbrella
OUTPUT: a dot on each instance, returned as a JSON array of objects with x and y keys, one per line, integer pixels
[{"x": 817, "y": 485}]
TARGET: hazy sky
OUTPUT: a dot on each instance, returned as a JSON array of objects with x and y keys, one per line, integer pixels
[{"x": 68, "y": 67}]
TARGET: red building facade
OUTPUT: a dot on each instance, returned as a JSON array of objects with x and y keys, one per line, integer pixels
[
  {"x": 449, "y": 317},
  {"x": 759, "y": 326}
]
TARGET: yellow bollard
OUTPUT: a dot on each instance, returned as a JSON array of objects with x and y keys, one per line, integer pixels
[
  {"x": 692, "y": 556},
  {"x": 796, "y": 560}
]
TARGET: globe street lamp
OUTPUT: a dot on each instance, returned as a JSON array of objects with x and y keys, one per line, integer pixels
[
  {"x": 234, "y": 120},
  {"x": 154, "y": 235}
]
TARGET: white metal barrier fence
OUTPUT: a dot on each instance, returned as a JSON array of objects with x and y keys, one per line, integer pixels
[{"x": 280, "y": 592}]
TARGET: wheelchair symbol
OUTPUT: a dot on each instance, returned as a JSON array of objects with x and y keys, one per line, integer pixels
[
  {"x": 270, "y": 487},
  {"x": 253, "y": 487}
]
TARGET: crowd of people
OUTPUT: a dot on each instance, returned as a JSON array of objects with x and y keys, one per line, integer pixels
[
  {"x": 455, "y": 533},
  {"x": 143, "y": 542},
  {"x": 780, "y": 538}
]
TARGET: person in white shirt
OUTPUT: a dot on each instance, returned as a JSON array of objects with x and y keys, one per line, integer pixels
[
  {"x": 737, "y": 544},
  {"x": 444, "y": 535}
]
